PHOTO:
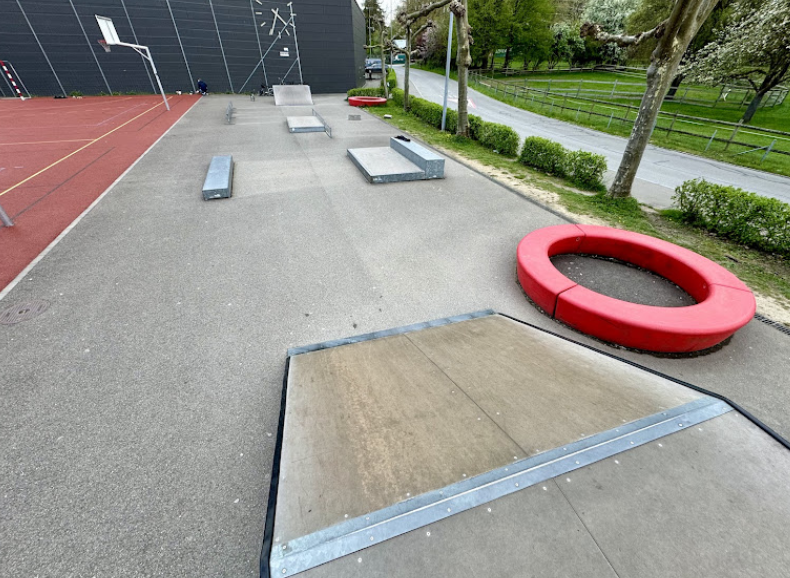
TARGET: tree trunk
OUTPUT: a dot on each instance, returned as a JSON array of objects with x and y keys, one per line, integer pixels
[
  {"x": 673, "y": 88},
  {"x": 384, "y": 65},
  {"x": 463, "y": 61},
  {"x": 507, "y": 58},
  {"x": 406, "y": 73},
  {"x": 681, "y": 26},
  {"x": 753, "y": 106}
]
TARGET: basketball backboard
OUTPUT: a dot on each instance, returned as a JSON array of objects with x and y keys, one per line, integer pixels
[{"x": 108, "y": 30}]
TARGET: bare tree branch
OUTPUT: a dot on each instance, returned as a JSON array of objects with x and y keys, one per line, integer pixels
[
  {"x": 595, "y": 31},
  {"x": 423, "y": 28},
  {"x": 407, "y": 19}
]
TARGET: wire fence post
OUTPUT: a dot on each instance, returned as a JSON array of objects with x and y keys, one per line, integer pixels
[
  {"x": 577, "y": 112},
  {"x": 614, "y": 87},
  {"x": 718, "y": 97},
  {"x": 672, "y": 124},
  {"x": 713, "y": 136},
  {"x": 610, "y": 120},
  {"x": 579, "y": 88},
  {"x": 768, "y": 150},
  {"x": 734, "y": 132}
]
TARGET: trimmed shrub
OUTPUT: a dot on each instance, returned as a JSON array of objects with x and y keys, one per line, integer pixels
[
  {"x": 545, "y": 155},
  {"x": 392, "y": 80},
  {"x": 498, "y": 137},
  {"x": 366, "y": 92},
  {"x": 585, "y": 169},
  {"x": 397, "y": 96},
  {"x": 746, "y": 218},
  {"x": 431, "y": 113}
]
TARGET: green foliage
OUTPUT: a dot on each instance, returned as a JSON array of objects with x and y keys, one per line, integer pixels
[
  {"x": 580, "y": 167},
  {"x": 743, "y": 217},
  {"x": 498, "y": 137},
  {"x": 397, "y": 96},
  {"x": 431, "y": 113},
  {"x": 545, "y": 155},
  {"x": 392, "y": 79},
  {"x": 585, "y": 169},
  {"x": 366, "y": 92},
  {"x": 75, "y": 93}
]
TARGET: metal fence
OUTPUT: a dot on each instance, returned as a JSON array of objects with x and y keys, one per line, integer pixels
[
  {"x": 729, "y": 96},
  {"x": 726, "y": 134}
]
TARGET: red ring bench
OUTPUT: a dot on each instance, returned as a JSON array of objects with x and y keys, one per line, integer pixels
[
  {"x": 724, "y": 303},
  {"x": 366, "y": 100}
]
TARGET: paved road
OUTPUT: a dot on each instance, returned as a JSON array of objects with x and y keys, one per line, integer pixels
[{"x": 660, "y": 172}]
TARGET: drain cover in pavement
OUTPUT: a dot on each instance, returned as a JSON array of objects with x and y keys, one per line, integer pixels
[
  {"x": 23, "y": 312},
  {"x": 354, "y": 117}
]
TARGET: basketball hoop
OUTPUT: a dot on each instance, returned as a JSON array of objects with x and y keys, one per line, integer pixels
[{"x": 103, "y": 44}]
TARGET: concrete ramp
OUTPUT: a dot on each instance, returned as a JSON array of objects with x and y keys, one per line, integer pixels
[
  {"x": 456, "y": 444},
  {"x": 292, "y": 95},
  {"x": 313, "y": 123},
  {"x": 404, "y": 160}
]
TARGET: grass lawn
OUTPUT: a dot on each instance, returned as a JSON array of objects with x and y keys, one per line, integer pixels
[
  {"x": 767, "y": 275},
  {"x": 619, "y": 121}
]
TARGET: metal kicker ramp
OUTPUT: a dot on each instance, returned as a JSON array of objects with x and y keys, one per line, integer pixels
[
  {"x": 482, "y": 446},
  {"x": 292, "y": 95}
]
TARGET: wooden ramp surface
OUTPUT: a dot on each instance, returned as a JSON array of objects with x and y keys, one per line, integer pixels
[{"x": 374, "y": 423}]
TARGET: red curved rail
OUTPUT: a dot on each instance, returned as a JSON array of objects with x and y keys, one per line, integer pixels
[
  {"x": 366, "y": 100},
  {"x": 724, "y": 302}
]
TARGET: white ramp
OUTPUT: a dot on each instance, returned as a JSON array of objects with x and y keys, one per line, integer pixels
[{"x": 292, "y": 95}]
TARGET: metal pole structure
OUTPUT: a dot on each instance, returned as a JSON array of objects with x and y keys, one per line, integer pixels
[
  {"x": 260, "y": 48},
  {"x": 5, "y": 219},
  {"x": 296, "y": 42},
  {"x": 156, "y": 75},
  {"x": 146, "y": 53},
  {"x": 447, "y": 71}
]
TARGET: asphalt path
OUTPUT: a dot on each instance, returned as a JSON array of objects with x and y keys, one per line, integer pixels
[{"x": 660, "y": 172}]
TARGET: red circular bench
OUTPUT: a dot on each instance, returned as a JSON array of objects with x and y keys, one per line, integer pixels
[
  {"x": 366, "y": 100},
  {"x": 724, "y": 303}
]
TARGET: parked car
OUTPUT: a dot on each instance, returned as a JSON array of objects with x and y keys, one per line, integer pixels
[{"x": 372, "y": 65}]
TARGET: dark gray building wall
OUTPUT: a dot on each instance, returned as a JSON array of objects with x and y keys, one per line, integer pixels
[{"x": 53, "y": 44}]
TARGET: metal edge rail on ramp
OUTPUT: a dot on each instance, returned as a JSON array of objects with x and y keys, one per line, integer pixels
[
  {"x": 311, "y": 550},
  {"x": 313, "y": 123}
]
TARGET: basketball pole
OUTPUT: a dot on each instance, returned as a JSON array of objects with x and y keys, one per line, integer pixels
[
  {"x": 146, "y": 53},
  {"x": 111, "y": 39}
]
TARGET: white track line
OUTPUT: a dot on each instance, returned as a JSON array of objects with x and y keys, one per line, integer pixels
[{"x": 74, "y": 223}]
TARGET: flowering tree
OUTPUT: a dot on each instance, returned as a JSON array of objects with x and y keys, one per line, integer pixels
[
  {"x": 674, "y": 35},
  {"x": 754, "y": 48},
  {"x": 612, "y": 16}
]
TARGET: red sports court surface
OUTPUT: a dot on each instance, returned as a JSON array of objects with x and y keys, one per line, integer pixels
[{"x": 58, "y": 156}]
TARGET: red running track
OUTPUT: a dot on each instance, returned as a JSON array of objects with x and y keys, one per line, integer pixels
[{"x": 58, "y": 156}]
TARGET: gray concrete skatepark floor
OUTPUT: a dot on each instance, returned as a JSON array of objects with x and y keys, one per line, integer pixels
[
  {"x": 660, "y": 171},
  {"x": 139, "y": 412}
]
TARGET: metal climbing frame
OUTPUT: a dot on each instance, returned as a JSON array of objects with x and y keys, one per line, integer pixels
[{"x": 279, "y": 26}]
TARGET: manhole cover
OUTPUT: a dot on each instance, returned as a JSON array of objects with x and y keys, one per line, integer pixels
[
  {"x": 354, "y": 117},
  {"x": 23, "y": 312}
]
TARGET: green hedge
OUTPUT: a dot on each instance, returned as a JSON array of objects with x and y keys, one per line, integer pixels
[
  {"x": 392, "y": 80},
  {"x": 366, "y": 92},
  {"x": 545, "y": 155},
  {"x": 397, "y": 96},
  {"x": 580, "y": 167},
  {"x": 498, "y": 137},
  {"x": 746, "y": 218},
  {"x": 585, "y": 169}
]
